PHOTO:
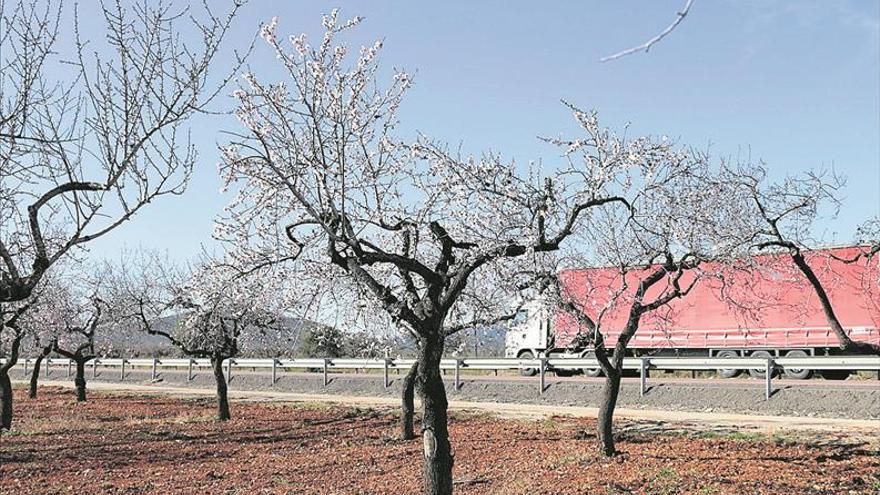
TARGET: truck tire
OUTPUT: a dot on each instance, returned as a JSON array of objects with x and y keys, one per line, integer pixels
[
  {"x": 835, "y": 374},
  {"x": 591, "y": 372},
  {"x": 794, "y": 373},
  {"x": 527, "y": 371},
  {"x": 759, "y": 373},
  {"x": 728, "y": 372}
]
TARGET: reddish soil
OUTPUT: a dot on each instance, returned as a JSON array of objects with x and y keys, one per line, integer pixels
[{"x": 137, "y": 444}]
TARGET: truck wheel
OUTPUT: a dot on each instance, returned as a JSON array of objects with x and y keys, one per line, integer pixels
[
  {"x": 728, "y": 372},
  {"x": 835, "y": 374},
  {"x": 527, "y": 371},
  {"x": 759, "y": 372},
  {"x": 591, "y": 372},
  {"x": 795, "y": 373}
]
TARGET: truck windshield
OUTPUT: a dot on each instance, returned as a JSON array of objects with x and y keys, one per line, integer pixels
[{"x": 521, "y": 316}]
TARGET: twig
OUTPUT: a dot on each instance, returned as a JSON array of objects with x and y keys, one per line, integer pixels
[
  {"x": 679, "y": 16},
  {"x": 470, "y": 481}
]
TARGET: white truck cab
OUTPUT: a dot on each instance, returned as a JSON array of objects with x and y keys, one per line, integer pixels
[{"x": 530, "y": 333}]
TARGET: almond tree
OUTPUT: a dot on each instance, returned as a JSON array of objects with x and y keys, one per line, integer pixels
[
  {"x": 218, "y": 310},
  {"x": 413, "y": 224},
  {"x": 633, "y": 264},
  {"x": 77, "y": 340},
  {"x": 784, "y": 215},
  {"x": 88, "y": 140},
  {"x": 66, "y": 318}
]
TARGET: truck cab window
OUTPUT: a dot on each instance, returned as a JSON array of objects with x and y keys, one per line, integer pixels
[{"x": 521, "y": 317}]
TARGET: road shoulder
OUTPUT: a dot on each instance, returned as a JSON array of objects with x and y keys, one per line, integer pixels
[{"x": 765, "y": 424}]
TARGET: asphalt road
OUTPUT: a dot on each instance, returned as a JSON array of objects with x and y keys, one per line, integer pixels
[{"x": 853, "y": 399}]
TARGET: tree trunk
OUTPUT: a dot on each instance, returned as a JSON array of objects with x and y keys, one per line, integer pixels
[
  {"x": 6, "y": 384},
  {"x": 35, "y": 373},
  {"x": 222, "y": 396},
  {"x": 613, "y": 369},
  {"x": 5, "y": 401},
  {"x": 435, "y": 434},
  {"x": 605, "y": 425},
  {"x": 79, "y": 380},
  {"x": 407, "y": 407},
  {"x": 35, "y": 376}
]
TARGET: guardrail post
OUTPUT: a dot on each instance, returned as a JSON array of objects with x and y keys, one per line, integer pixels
[
  {"x": 229, "y": 370},
  {"x": 24, "y": 362},
  {"x": 95, "y": 368},
  {"x": 69, "y": 368},
  {"x": 542, "y": 368},
  {"x": 122, "y": 375},
  {"x": 325, "y": 371},
  {"x": 768, "y": 375},
  {"x": 46, "y": 372},
  {"x": 189, "y": 375},
  {"x": 643, "y": 376},
  {"x": 385, "y": 371},
  {"x": 457, "y": 366},
  {"x": 153, "y": 373},
  {"x": 274, "y": 363}
]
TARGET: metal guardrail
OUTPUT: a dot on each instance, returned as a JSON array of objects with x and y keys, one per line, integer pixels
[{"x": 769, "y": 366}]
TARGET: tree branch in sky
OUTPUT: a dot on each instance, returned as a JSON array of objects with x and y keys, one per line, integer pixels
[{"x": 679, "y": 16}]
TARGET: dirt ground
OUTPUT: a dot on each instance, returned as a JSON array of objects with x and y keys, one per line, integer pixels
[{"x": 123, "y": 443}]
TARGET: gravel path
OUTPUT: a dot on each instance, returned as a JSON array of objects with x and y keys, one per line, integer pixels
[{"x": 861, "y": 402}]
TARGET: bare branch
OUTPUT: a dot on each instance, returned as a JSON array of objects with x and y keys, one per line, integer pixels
[{"x": 679, "y": 16}]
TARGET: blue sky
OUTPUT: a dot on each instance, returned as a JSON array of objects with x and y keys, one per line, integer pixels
[{"x": 795, "y": 83}]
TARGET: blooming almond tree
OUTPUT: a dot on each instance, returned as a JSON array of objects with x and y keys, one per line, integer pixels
[
  {"x": 413, "y": 224},
  {"x": 633, "y": 263},
  {"x": 68, "y": 313},
  {"x": 218, "y": 311},
  {"x": 88, "y": 140},
  {"x": 784, "y": 215},
  {"x": 76, "y": 341}
]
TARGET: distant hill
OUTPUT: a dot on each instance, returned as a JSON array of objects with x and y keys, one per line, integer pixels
[
  {"x": 122, "y": 342},
  {"x": 480, "y": 342},
  {"x": 132, "y": 342}
]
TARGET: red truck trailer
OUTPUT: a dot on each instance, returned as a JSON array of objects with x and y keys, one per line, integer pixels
[{"x": 762, "y": 308}]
